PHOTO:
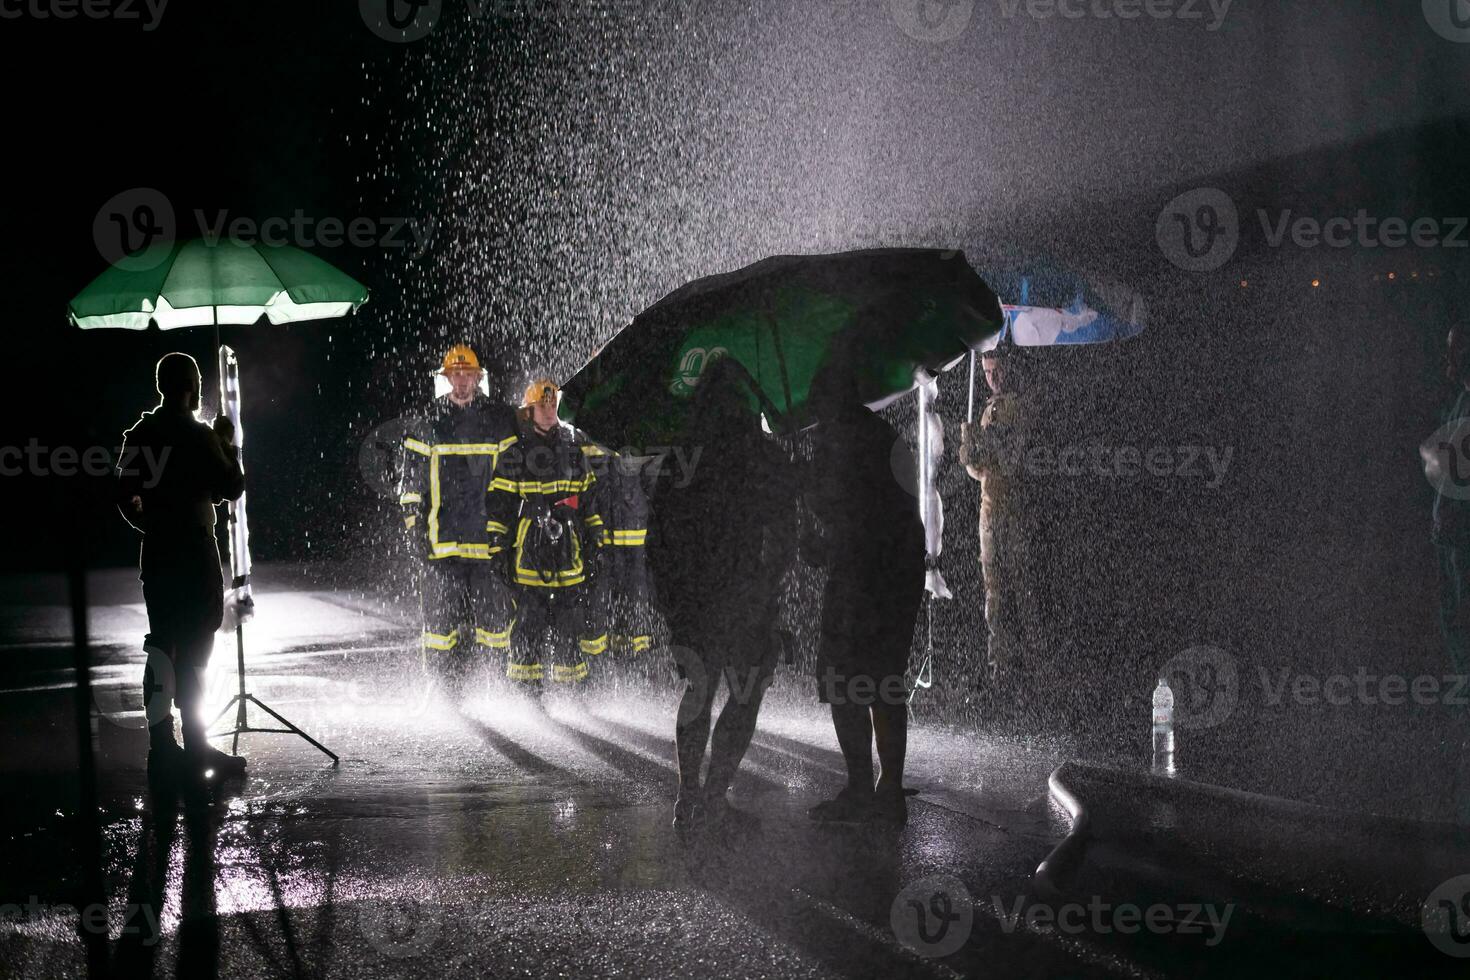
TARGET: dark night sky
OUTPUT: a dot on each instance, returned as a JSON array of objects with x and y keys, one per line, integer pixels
[{"x": 1068, "y": 136}]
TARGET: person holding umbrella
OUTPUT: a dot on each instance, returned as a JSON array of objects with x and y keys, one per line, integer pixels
[
  {"x": 449, "y": 461},
  {"x": 990, "y": 453},
  {"x": 864, "y": 489},
  {"x": 721, "y": 544},
  {"x": 179, "y": 561}
]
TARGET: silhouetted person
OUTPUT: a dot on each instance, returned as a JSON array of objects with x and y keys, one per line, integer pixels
[
  {"x": 864, "y": 490},
  {"x": 1450, "y": 531},
  {"x": 173, "y": 505},
  {"x": 720, "y": 547},
  {"x": 991, "y": 452}
]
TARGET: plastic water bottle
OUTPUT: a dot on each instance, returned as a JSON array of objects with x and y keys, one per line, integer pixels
[{"x": 1163, "y": 729}]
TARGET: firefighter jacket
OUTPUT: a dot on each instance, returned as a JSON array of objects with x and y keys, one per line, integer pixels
[
  {"x": 624, "y": 506},
  {"x": 623, "y": 604},
  {"x": 449, "y": 459},
  {"x": 543, "y": 509}
]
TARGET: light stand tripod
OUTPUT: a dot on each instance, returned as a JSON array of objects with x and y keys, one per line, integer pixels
[{"x": 229, "y": 391}]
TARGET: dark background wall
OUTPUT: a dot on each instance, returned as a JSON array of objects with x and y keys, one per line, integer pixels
[{"x": 578, "y": 167}]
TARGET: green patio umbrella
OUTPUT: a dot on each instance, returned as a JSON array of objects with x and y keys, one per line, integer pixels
[
  {"x": 209, "y": 283},
  {"x": 881, "y": 315},
  {"x": 201, "y": 283}
]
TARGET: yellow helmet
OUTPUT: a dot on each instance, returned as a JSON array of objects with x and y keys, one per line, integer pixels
[
  {"x": 539, "y": 389},
  {"x": 460, "y": 358}
]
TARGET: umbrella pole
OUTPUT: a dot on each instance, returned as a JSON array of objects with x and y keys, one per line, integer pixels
[
  {"x": 242, "y": 698},
  {"x": 970, "y": 411}
]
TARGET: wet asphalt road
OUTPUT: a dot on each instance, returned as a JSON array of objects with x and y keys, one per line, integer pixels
[{"x": 484, "y": 836}]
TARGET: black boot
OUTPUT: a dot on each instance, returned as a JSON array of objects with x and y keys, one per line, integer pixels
[
  {"x": 205, "y": 760},
  {"x": 165, "y": 757}
]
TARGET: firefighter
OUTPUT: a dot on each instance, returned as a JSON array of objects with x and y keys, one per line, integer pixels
[
  {"x": 174, "y": 508},
  {"x": 622, "y": 596},
  {"x": 449, "y": 461},
  {"x": 546, "y": 528}
]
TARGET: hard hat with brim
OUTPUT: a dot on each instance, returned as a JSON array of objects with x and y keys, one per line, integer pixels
[
  {"x": 538, "y": 390},
  {"x": 460, "y": 358}
]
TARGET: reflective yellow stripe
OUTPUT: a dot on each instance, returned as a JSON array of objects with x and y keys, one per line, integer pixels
[
  {"x": 422, "y": 448},
  {"x": 409, "y": 520},
  {"x": 456, "y": 549},
  {"x": 486, "y": 638},
  {"x": 591, "y": 450},
  {"x": 523, "y": 672},
  {"x": 563, "y": 576},
  {"x": 411, "y": 498},
  {"x": 569, "y": 675},
  {"x": 467, "y": 449},
  {"x": 443, "y": 549},
  {"x": 551, "y": 486},
  {"x": 441, "y": 641},
  {"x": 594, "y": 647},
  {"x": 642, "y": 643},
  {"x": 495, "y": 527},
  {"x": 630, "y": 537},
  {"x": 593, "y": 521}
]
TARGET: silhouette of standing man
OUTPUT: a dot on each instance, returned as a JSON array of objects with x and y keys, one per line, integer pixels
[
  {"x": 183, "y": 587},
  {"x": 864, "y": 490}
]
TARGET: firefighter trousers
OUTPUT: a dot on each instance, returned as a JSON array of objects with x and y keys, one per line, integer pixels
[
  {"x": 464, "y": 591},
  {"x": 562, "y": 657}
]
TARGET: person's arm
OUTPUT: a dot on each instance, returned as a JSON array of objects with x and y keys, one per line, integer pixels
[
  {"x": 784, "y": 525},
  {"x": 224, "y": 461},
  {"x": 413, "y": 483},
  {"x": 129, "y": 490},
  {"x": 503, "y": 500},
  {"x": 983, "y": 446}
]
